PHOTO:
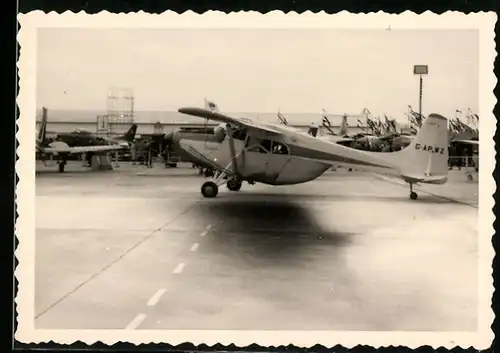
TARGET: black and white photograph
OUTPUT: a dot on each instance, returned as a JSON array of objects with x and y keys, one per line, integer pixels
[{"x": 245, "y": 178}]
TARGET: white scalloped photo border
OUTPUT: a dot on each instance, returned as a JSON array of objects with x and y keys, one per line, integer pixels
[{"x": 483, "y": 22}]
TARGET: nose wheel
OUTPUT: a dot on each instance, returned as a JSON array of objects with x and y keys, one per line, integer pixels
[{"x": 209, "y": 189}]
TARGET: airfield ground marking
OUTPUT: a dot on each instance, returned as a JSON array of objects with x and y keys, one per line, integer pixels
[
  {"x": 135, "y": 322},
  {"x": 116, "y": 260},
  {"x": 156, "y": 297},
  {"x": 178, "y": 269},
  {"x": 194, "y": 247},
  {"x": 205, "y": 232}
]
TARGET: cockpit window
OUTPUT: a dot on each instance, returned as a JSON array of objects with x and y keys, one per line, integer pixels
[
  {"x": 279, "y": 148},
  {"x": 257, "y": 149},
  {"x": 258, "y": 145},
  {"x": 266, "y": 144}
]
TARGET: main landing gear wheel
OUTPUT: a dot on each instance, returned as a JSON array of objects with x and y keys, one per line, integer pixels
[
  {"x": 233, "y": 185},
  {"x": 413, "y": 194},
  {"x": 209, "y": 189}
]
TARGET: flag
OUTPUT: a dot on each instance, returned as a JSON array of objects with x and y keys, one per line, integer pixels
[
  {"x": 211, "y": 106},
  {"x": 361, "y": 125},
  {"x": 326, "y": 122}
]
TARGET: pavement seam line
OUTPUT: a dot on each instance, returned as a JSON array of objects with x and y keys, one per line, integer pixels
[{"x": 133, "y": 247}]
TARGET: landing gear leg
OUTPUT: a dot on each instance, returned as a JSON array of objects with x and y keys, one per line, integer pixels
[
  {"x": 413, "y": 194},
  {"x": 61, "y": 165},
  {"x": 210, "y": 188}
]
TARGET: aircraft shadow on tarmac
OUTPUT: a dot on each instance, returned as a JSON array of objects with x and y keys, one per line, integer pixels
[{"x": 277, "y": 230}]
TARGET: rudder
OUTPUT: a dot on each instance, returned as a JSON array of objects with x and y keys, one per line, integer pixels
[
  {"x": 130, "y": 134},
  {"x": 427, "y": 155}
]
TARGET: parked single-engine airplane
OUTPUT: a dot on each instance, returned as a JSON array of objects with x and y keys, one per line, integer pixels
[
  {"x": 81, "y": 137},
  {"x": 277, "y": 155},
  {"x": 62, "y": 150}
]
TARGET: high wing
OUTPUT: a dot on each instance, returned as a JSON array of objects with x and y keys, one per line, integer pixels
[{"x": 243, "y": 122}]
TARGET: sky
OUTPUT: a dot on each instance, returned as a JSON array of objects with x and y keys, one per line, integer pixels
[{"x": 260, "y": 70}]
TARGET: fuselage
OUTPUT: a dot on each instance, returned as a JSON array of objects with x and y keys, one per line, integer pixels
[
  {"x": 289, "y": 158},
  {"x": 77, "y": 139}
]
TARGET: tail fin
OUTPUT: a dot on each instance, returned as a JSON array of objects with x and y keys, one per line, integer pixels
[
  {"x": 426, "y": 158},
  {"x": 313, "y": 131},
  {"x": 343, "y": 126},
  {"x": 130, "y": 134},
  {"x": 42, "y": 132}
]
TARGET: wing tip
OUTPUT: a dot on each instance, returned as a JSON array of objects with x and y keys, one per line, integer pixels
[{"x": 193, "y": 110}]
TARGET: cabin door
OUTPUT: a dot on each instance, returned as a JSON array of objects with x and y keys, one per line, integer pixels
[
  {"x": 264, "y": 159},
  {"x": 255, "y": 158}
]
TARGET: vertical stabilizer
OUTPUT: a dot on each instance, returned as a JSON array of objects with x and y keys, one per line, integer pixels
[
  {"x": 427, "y": 155},
  {"x": 343, "y": 126},
  {"x": 130, "y": 134},
  {"x": 42, "y": 132}
]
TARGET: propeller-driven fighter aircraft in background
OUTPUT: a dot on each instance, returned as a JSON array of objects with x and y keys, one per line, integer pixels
[
  {"x": 81, "y": 137},
  {"x": 62, "y": 150},
  {"x": 255, "y": 151}
]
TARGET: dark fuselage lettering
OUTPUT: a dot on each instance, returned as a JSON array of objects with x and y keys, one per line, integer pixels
[{"x": 429, "y": 148}]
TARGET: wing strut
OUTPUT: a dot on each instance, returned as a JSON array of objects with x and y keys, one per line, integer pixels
[{"x": 232, "y": 150}]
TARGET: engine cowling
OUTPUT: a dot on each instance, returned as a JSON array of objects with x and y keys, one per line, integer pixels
[{"x": 220, "y": 132}]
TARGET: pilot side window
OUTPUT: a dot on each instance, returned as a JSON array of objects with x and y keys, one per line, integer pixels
[
  {"x": 266, "y": 144},
  {"x": 279, "y": 148}
]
